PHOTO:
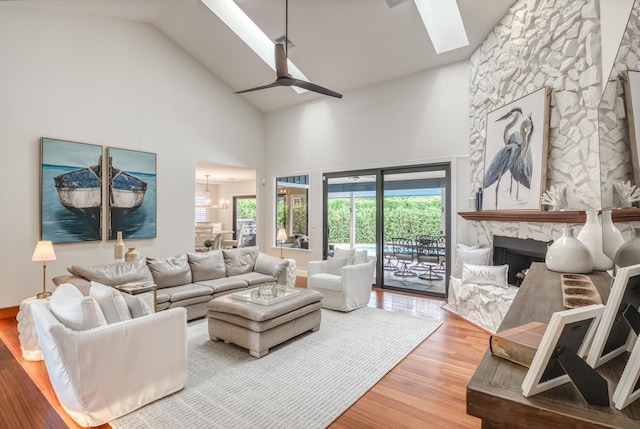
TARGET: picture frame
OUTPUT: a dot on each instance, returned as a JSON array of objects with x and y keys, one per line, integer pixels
[
  {"x": 628, "y": 388},
  {"x": 515, "y": 153},
  {"x": 614, "y": 335},
  {"x": 70, "y": 191},
  {"x": 631, "y": 83},
  {"x": 131, "y": 193},
  {"x": 567, "y": 338}
]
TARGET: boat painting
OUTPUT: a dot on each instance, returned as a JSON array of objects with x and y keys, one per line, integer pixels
[
  {"x": 132, "y": 193},
  {"x": 70, "y": 191}
]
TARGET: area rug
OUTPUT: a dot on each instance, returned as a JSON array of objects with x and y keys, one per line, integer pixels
[{"x": 306, "y": 382}]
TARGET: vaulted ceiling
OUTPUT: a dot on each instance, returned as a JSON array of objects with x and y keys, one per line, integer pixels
[{"x": 339, "y": 44}]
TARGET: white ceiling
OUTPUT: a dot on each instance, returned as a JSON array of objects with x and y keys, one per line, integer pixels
[{"x": 340, "y": 44}]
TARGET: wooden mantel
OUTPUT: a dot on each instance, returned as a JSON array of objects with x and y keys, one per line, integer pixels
[{"x": 568, "y": 216}]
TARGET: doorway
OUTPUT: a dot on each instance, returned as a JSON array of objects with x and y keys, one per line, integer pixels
[{"x": 401, "y": 215}]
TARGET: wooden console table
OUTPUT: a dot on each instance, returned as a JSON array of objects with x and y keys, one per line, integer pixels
[{"x": 494, "y": 393}]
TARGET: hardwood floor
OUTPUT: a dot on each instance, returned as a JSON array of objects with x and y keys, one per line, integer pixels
[{"x": 426, "y": 389}]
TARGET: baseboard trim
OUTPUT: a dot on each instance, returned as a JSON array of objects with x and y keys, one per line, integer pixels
[{"x": 9, "y": 312}]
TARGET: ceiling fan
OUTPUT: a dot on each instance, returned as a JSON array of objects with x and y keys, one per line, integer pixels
[{"x": 283, "y": 78}]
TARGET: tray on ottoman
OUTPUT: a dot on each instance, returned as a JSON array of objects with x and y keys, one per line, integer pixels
[
  {"x": 245, "y": 295},
  {"x": 258, "y": 327}
]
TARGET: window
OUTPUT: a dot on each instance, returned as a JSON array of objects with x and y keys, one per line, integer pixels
[{"x": 202, "y": 214}]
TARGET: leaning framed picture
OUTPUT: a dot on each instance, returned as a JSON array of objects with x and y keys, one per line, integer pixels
[
  {"x": 631, "y": 80},
  {"x": 628, "y": 388},
  {"x": 614, "y": 335},
  {"x": 515, "y": 153},
  {"x": 132, "y": 193},
  {"x": 70, "y": 191},
  {"x": 559, "y": 356}
]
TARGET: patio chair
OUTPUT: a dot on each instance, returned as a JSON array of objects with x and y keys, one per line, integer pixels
[
  {"x": 403, "y": 252},
  {"x": 428, "y": 256}
]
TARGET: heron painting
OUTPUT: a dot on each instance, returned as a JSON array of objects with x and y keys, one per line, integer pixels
[{"x": 515, "y": 153}]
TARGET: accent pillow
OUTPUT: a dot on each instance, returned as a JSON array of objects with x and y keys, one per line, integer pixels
[
  {"x": 471, "y": 255},
  {"x": 111, "y": 302},
  {"x": 359, "y": 257},
  {"x": 114, "y": 274},
  {"x": 172, "y": 271},
  {"x": 334, "y": 265},
  {"x": 207, "y": 266},
  {"x": 267, "y": 264},
  {"x": 74, "y": 310},
  {"x": 137, "y": 306},
  {"x": 344, "y": 254},
  {"x": 240, "y": 261},
  {"x": 485, "y": 275}
]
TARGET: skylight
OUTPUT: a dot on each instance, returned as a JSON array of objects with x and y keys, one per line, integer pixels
[
  {"x": 238, "y": 22},
  {"x": 443, "y": 23}
]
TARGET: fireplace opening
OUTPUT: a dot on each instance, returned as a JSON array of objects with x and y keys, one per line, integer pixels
[{"x": 518, "y": 253}]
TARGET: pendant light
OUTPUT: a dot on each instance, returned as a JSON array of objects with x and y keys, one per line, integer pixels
[{"x": 206, "y": 195}]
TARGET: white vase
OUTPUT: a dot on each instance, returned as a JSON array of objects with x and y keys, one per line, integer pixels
[
  {"x": 611, "y": 236},
  {"x": 629, "y": 253},
  {"x": 591, "y": 236},
  {"x": 118, "y": 248},
  {"x": 569, "y": 255}
]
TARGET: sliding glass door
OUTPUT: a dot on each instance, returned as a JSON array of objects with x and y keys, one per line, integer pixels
[{"x": 400, "y": 215}]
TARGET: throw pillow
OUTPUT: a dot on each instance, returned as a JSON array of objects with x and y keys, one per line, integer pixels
[
  {"x": 137, "y": 306},
  {"x": 207, "y": 266},
  {"x": 485, "y": 275},
  {"x": 240, "y": 261},
  {"x": 111, "y": 302},
  {"x": 470, "y": 255},
  {"x": 74, "y": 310},
  {"x": 344, "y": 254},
  {"x": 359, "y": 257},
  {"x": 114, "y": 274},
  {"x": 334, "y": 265},
  {"x": 267, "y": 264},
  {"x": 172, "y": 271}
]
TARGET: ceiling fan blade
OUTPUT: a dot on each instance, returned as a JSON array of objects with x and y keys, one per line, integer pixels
[
  {"x": 271, "y": 85},
  {"x": 315, "y": 88},
  {"x": 282, "y": 70}
]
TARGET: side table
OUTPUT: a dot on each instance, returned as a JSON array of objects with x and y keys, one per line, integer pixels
[{"x": 27, "y": 329}]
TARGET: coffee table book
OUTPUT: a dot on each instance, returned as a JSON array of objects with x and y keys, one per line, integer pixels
[{"x": 518, "y": 344}]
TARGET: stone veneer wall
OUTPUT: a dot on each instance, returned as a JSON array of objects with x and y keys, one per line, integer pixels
[
  {"x": 544, "y": 43},
  {"x": 616, "y": 164}
]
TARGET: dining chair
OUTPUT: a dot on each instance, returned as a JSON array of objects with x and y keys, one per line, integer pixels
[{"x": 403, "y": 252}]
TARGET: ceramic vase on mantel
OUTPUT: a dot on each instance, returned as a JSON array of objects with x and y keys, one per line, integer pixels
[
  {"x": 569, "y": 255},
  {"x": 629, "y": 253},
  {"x": 591, "y": 236},
  {"x": 118, "y": 248},
  {"x": 611, "y": 236}
]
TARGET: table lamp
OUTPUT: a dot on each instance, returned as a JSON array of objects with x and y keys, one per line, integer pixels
[
  {"x": 281, "y": 237},
  {"x": 44, "y": 252}
]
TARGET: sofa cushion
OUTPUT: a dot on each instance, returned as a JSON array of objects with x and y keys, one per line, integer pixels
[
  {"x": 325, "y": 281},
  {"x": 471, "y": 255},
  {"x": 225, "y": 284},
  {"x": 74, "y": 310},
  {"x": 485, "y": 275},
  {"x": 255, "y": 278},
  {"x": 179, "y": 293},
  {"x": 171, "y": 271},
  {"x": 359, "y": 257},
  {"x": 334, "y": 265},
  {"x": 137, "y": 307},
  {"x": 267, "y": 264},
  {"x": 114, "y": 274},
  {"x": 190, "y": 301},
  {"x": 111, "y": 302},
  {"x": 240, "y": 261},
  {"x": 347, "y": 254},
  {"x": 207, "y": 266}
]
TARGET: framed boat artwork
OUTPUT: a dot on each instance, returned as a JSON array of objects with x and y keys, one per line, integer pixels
[
  {"x": 70, "y": 191},
  {"x": 132, "y": 193}
]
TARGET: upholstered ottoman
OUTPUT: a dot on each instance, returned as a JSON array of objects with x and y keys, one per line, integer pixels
[{"x": 258, "y": 327}]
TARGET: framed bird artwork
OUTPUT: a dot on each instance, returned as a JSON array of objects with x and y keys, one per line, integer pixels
[{"x": 515, "y": 153}]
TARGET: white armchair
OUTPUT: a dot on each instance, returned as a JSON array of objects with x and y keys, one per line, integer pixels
[
  {"x": 346, "y": 291},
  {"x": 105, "y": 372}
]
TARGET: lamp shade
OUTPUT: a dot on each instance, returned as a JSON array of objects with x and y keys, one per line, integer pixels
[
  {"x": 282, "y": 234},
  {"x": 44, "y": 251}
]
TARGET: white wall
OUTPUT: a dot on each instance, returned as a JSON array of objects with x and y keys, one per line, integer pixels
[
  {"x": 417, "y": 119},
  {"x": 114, "y": 83}
]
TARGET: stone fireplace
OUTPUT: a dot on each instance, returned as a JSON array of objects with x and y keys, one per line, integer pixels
[{"x": 518, "y": 253}]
